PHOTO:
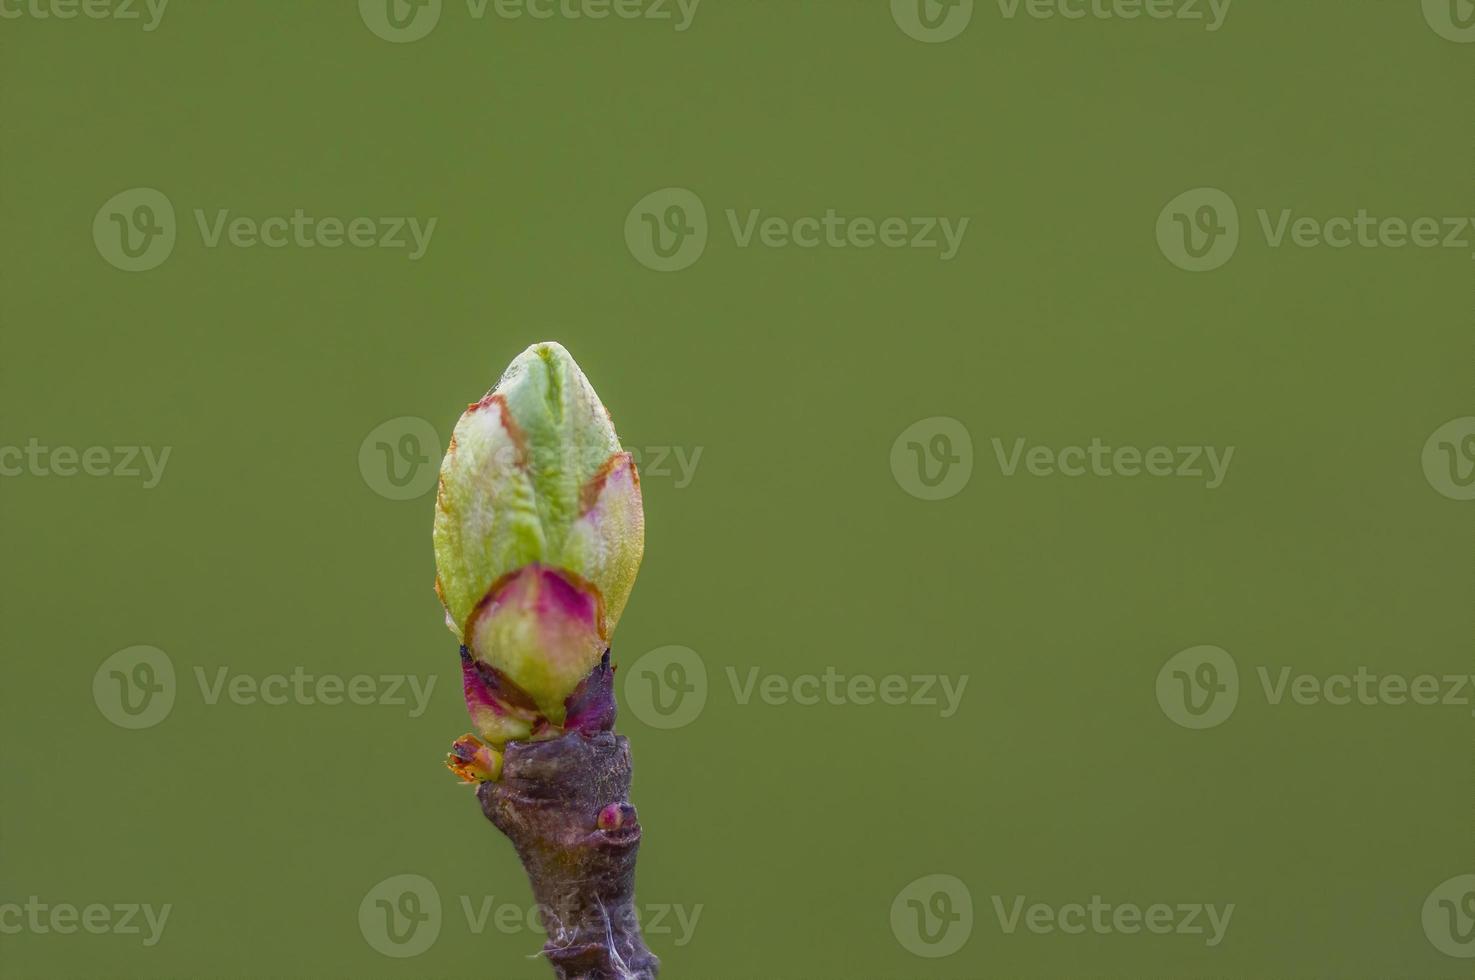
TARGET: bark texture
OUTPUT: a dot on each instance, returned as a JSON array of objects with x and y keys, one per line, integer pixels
[{"x": 564, "y": 803}]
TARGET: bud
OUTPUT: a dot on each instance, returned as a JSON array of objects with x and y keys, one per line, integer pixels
[
  {"x": 538, "y": 536},
  {"x": 473, "y": 760}
]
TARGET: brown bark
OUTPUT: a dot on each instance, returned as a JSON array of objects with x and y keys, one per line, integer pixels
[{"x": 564, "y": 803}]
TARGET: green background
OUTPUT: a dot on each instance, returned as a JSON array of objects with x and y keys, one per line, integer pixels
[{"x": 793, "y": 548}]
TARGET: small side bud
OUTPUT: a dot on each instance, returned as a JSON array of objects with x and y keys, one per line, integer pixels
[{"x": 474, "y": 761}]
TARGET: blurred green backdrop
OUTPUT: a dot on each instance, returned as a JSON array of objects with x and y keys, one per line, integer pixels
[{"x": 783, "y": 840}]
